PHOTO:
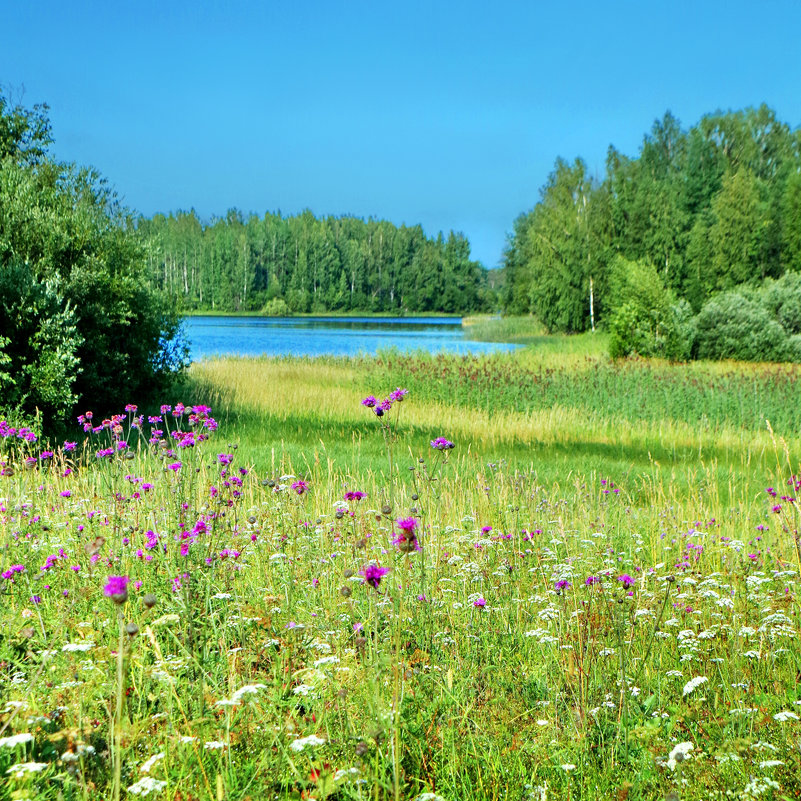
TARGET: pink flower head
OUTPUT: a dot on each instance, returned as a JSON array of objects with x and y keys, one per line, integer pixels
[
  {"x": 373, "y": 574},
  {"x": 117, "y": 589},
  {"x": 354, "y": 495},
  {"x": 398, "y": 395},
  {"x": 626, "y": 580},
  {"x": 408, "y": 525},
  {"x": 300, "y": 487}
]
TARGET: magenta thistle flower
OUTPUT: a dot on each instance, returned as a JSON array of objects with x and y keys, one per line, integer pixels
[
  {"x": 479, "y": 603},
  {"x": 563, "y": 584},
  {"x": 590, "y": 580},
  {"x": 408, "y": 525},
  {"x": 398, "y": 395},
  {"x": 626, "y": 580},
  {"x": 441, "y": 444},
  {"x": 370, "y": 401},
  {"x": 117, "y": 589},
  {"x": 300, "y": 487},
  {"x": 354, "y": 495},
  {"x": 373, "y": 574}
]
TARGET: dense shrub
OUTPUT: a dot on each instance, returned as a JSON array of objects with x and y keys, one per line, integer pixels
[
  {"x": 735, "y": 326},
  {"x": 782, "y": 298},
  {"x": 646, "y": 321},
  {"x": 77, "y": 315}
]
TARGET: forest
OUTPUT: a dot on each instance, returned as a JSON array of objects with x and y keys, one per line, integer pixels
[
  {"x": 300, "y": 264},
  {"x": 695, "y": 230}
]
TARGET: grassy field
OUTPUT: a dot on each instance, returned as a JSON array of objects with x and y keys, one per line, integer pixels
[{"x": 593, "y": 594}]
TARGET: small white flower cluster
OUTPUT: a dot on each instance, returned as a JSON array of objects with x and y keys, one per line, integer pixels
[
  {"x": 680, "y": 753},
  {"x": 693, "y": 684},
  {"x": 146, "y": 786},
  {"x": 303, "y": 742}
]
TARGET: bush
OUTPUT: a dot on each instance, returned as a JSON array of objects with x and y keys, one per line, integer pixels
[
  {"x": 735, "y": 326},
  {"x": 783, "y": 299},
  {"x": 276, "y": 308},
  {"x": 646, "y": 322},
  {"x": 79, "y": 318}
]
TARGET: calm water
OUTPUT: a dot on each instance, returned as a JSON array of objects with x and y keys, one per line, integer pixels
[{"x": 317, "y": 336}]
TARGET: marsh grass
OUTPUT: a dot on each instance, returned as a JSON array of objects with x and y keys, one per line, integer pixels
[{"x": 603, "y": 606}]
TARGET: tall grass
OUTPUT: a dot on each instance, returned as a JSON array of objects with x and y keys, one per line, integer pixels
[{"x": 600, "y": 605}]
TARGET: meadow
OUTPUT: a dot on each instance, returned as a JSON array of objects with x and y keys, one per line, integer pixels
[{"x": 540, "y": 575}]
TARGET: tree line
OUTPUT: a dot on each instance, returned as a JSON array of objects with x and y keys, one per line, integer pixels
[
  {"x": 698, "y": 214},
  {"x": 280, "y": 265}
]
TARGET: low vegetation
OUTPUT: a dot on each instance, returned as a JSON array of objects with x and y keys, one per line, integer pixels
[{"x": 466, "y": 590}]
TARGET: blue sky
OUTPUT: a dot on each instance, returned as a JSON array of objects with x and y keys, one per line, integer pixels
[{"x": 448, "y": 114}]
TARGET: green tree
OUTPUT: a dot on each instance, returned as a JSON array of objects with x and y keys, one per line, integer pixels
[{"x": 83, "y": 323}]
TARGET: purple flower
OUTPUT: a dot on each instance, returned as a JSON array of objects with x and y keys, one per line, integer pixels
[
  {"x": 300, "y": 487},
  {"x": 408, "y": 525},
  {"x": 441, "y": 444},
  {"x": 225, "y": 458},
  {"x": 354, "y": 495},
  {"x": 590, "y": 580},
  {"x": 480, "y": 603},
  {"x": 626, "y": 580},
  {"x": 370, "y": 401},
  {"x": 69, "y": 446},
  {"x": 406, "y": 540},
  {"x": 175, "y": 466},
  {"x": 398, "y": 395},
  {"x": 563, "y": 584},
  {"x": 117, "y": 589},
  {"x": 373, "y": 574}
]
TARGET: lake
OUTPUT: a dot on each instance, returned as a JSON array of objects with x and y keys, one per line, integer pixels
[{"x": 337, "y": 336}]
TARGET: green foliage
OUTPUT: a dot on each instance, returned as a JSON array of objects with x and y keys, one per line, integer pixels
[
  {"x": 647, "y": 322},
  {"x": 276, "y": 307},
  {"x": 735, "y": 326},
  {"x": 79, "y": 316},
  {"x": 311, "y": 265},
  {"x": 39, "y": 341},
  {"x": 782, "y": 298},
  {"x": 710, "y": 209}
]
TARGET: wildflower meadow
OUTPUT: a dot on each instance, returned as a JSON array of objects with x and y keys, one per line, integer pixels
[{"x": 407, "y": 612}]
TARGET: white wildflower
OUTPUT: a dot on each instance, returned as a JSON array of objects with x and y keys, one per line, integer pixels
[
  {"x": 311, "y": 740},
  {"x": 146, "y": 766},
  {"x": 783, "y": 717},
  {"x": 680, "y": 752},
  {"x": 146, "y": 786},
  {"x": 694, "y": 683},
  {"x": 15, "y": 740},
  {"x": 248, "y": 689},
  {"x": 19, "y": 771}
]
